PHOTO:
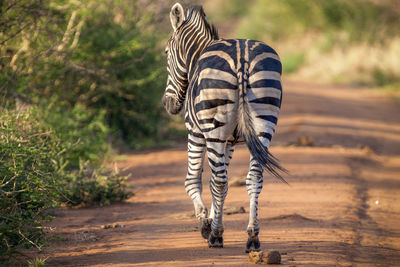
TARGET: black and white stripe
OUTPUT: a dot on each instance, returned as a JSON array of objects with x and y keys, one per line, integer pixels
[{"x": 232, "y": 93}]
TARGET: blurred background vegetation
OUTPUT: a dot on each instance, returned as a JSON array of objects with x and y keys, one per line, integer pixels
[
  {"x": 336, "y": 41},
  {"x": 81, "y": 79}
]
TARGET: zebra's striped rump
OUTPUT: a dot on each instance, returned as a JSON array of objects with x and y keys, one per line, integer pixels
[{"x": 238, "y": 95}]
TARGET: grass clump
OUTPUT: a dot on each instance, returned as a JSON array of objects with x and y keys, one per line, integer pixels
[{"x": 38, "y": 262}]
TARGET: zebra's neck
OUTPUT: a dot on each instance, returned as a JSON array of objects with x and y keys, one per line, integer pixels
[{"x": 193, "y": 43}]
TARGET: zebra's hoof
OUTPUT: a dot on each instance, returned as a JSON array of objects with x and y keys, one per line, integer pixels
[
  {"x": 215, "y": 241},
  {"x": 205, "y": 228},
  {"x": 253, "y": 244}
]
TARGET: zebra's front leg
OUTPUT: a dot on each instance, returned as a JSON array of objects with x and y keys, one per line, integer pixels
[
  {"x": 254, "y": 182},
  {"x": 219, "y": 188},
  {"x": 193, "y": 185}
]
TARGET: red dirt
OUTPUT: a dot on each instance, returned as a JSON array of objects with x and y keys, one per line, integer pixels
[{"x": 342, "y": 206}]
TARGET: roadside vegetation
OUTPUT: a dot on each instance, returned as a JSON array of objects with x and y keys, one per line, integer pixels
[
  {"x": 338, "y": 41},
  {"x": 77, "y": 78}
]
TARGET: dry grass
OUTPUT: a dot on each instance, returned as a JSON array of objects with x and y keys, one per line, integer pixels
[{"x": 363, "y": 63}]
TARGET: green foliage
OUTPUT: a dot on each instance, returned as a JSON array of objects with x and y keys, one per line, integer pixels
[
  {"x": 220, "y": 10},
  {"x": 84, "y": 71},
  {"x": 99, "y": 54},
  {"x": 38, "y": 262},
  {"x": 29, "y": 181},
  {"x": 83, "y": 132},
  {"x": 42, "y": 166},
  {"x": 83, "y": 145},
  {"x": 99, "y": 186},
  {"x": 130, "y": 84},
  {"x": 348, "y": 21},
  {"x": 386, "y": 79},
  {"x": 292, "y": 62}
]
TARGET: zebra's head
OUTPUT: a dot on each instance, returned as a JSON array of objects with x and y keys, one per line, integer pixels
[
  {"x": 177, "y": 82},
  {"x": 179, "y": 52}
]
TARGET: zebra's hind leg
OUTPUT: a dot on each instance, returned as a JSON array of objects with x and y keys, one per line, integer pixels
[
  {"x": 206, "y": 225},
  {"x": 219, "y": 188},
  {"x": 254, "y": 183}
]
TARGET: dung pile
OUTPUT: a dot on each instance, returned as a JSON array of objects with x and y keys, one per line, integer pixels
[{"x": 264, "y": 257}]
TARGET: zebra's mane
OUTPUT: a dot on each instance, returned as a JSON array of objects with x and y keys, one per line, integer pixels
[{"x": 192, "y": 10}]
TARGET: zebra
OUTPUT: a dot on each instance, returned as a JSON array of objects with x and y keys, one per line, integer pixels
[{"x": 231, "y": 90}]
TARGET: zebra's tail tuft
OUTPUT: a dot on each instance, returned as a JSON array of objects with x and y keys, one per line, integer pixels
[{"x": 256, "y": 147}]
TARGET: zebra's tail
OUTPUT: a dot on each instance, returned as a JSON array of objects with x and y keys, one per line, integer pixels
[{"x": 247, "y": 130}]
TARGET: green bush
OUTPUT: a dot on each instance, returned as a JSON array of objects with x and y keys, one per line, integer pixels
[
  {"x": 84, "y": 150},
  {"x": 29, "y": 183},
  {"x": 100, "y": 186},
  {"x": 130, "y": 74},
  {"x": 103, "y": 55},
  {"x": 46, "y": 160},
  {"x": 86, "y": 73},
  {"x": 83, "y": 133}
]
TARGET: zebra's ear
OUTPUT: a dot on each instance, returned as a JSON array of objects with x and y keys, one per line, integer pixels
[{"x": 177, "y": 16}]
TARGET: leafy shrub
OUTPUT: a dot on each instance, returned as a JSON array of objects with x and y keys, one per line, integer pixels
[
  {"x": 83, "y": 133},
  {"x": 101, "y": 54},
  {"x": 29, "y": 183},
  {"x": 88, "y": 70},
  {"x": 84, "y": 147},
  {"x": 99, "y": 186},
  {"x": 131, "y": 71},
  {"x": 42, "y": 167}
]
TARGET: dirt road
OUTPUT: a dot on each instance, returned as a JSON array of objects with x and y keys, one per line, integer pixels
[{"x": 342, "y": 208}]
